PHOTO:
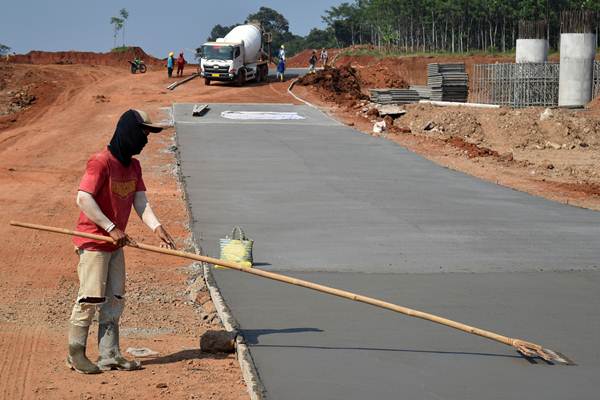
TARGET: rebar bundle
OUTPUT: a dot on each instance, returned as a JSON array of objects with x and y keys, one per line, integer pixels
[
  {"x": 577, "y": 21},
  {"x": 533, "y": 29}
]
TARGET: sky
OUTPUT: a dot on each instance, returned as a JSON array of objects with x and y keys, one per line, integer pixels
[{"x": 156, "y": 26}]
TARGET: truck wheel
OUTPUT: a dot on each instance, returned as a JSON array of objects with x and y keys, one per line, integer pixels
[
  {"x": 207, "y": 81},
  {"x": 264, "y": 72},
  {"x": 241, "y": 78}
]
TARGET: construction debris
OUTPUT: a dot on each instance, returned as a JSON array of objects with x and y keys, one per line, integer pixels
[
  {"x": 390, "y": 109},
  {"x": 141, "y": 352},
  {"x": 337, "y": 84},
  {"x": 394, "y": 96},
  {"x": 173, "y": 85},
  {"x": 217, "y": 342},
  {"x": 199, "y": 110},
  {"x": 379, "y": 127}
]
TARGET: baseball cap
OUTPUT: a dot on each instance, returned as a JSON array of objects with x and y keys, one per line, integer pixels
[{"x": 145, "y": 121}]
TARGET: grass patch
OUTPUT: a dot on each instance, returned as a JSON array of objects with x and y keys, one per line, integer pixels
[
  {"x": 382, "y": 53},
  {"x": 121, "y": 49}
]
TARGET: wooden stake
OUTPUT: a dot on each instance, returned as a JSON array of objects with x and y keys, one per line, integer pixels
[{"x": 526, "y": 348}]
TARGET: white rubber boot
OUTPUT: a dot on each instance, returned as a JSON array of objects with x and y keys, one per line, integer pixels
[
  {"x": 77, "y": 360},
  {"x": 110, "y": 354}
]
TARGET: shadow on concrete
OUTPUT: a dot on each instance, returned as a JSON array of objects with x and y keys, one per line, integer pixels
[
  {"x": 435, "y": 352},
  {"x": 251, "y": 335},
  {"x": 183, "y": 355},
  {"x": 261, "y": 264}
]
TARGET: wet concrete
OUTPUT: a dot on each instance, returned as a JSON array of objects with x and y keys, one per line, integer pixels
[{"x": 327, "y": 203}]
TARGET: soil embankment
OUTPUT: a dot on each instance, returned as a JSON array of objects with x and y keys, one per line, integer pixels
[{"x": 115, "y": 58}]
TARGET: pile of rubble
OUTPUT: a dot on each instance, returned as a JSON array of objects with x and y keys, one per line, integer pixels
[
  {"x": 340, "y": 85},
  {"x": 17, "y": 101}
]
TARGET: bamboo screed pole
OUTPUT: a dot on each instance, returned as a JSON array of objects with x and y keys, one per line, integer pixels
[{"x": 526, "y": 348}]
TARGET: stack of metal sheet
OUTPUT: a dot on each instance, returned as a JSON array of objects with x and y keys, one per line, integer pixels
[
  {"x": 394, "y": 96},
  {"x": 448, "y": 82},
  {"x": 424, "y": 91}
]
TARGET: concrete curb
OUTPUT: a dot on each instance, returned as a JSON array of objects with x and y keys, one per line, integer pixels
[
  {"x": 289, "y": 90},
  {"x": 249, "y": 372}
]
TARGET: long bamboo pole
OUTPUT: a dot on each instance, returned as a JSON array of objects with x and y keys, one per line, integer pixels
[{"x": 527, "y": 348}]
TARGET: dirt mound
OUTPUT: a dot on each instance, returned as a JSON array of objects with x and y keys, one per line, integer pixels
[
  {"x": 412, "y": 69},
  {"x": 23, "y": 88},
  {"x": 300, "y": 60},
  {"x": 116, "y": 59},
  {"x": 384, "y": 74},
  {"x": 342, "y": 85}
]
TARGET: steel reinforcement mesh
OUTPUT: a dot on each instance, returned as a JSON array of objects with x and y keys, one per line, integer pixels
[
  {"x": 521, "y": 85},
  {"x": 596, "y": 87},
  {"x": 516, "y": 85}
]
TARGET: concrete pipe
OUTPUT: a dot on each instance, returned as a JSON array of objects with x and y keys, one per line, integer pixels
[
  {"x": 532, "y": 51},
  {"x": 577, "y": 53}
]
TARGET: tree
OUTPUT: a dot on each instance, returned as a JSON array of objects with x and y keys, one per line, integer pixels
[
  {"x": 219, "y": 31},
  {"x": 117, "y": 24},
  {"x": 124, "y": 15},
  {"x": 275, "y": 23},
  {"x": 4, "y": 49},
  {"x": 319, "y": 38}
]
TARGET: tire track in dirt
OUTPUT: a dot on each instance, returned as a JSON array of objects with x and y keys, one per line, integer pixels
[{"x": 19, "y": 348}]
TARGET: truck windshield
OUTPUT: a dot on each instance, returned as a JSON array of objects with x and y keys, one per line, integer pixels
[{"x": 217, "y": 52}]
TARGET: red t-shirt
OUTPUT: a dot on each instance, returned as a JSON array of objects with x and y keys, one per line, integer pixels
[{"x": 113, "y": 186}]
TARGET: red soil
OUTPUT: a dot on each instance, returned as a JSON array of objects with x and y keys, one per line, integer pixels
[{"x": 115, "y": 59}]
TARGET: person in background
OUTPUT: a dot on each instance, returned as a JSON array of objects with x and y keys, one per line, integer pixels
[
  {"x": 180, "y": 63},
  {"x": 280, "y": 69},
  {"x": 282, "y": 53},
  {"x": 324, "y": 57},
  {"x": 170, "y": 65},
  {"x": 312, "y": 62}
]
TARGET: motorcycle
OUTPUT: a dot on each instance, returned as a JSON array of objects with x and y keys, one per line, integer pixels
[{"x": 137, "y": 66}]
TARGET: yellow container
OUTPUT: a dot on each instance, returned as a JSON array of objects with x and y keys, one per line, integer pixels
[{"x": 237, "y": 248}]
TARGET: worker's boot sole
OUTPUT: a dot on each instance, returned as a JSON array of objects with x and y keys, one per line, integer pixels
[
  {"x": 72, "y": 368},
  {"x": 130, "y": 366}
]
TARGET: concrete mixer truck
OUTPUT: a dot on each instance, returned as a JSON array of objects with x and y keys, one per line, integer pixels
[{"x": 238, "y": 57}]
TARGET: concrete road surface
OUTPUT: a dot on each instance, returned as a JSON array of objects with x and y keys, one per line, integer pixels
[{"x": 326, "y": 203}]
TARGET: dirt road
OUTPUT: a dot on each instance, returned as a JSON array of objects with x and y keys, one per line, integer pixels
[{"x": 43, "y": 151}]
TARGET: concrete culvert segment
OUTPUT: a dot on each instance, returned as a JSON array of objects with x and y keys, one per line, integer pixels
[{"x": 577, "y": 53}]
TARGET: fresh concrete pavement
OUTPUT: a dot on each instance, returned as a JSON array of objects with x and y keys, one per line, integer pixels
[{"x": 326, "y": 203}]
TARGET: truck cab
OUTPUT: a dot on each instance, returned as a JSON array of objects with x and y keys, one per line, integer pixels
[
  {"x": 221, "y": 61},
  {"x": 239, "y": 59}
]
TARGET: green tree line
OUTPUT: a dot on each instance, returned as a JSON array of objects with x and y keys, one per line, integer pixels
[
  {"x": 455, "y": 26},
  {"x": 444, "y": 25}
]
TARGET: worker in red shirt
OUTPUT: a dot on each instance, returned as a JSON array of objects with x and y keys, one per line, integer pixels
[
  {"x": 111, "y": 186},
  {"x": 180, "y": 64}
]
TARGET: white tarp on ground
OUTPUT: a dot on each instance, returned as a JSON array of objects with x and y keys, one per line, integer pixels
[{"x": 260, "y": 115}]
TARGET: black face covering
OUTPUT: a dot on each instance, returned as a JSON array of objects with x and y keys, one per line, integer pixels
[{"x": 129, "y": 138}]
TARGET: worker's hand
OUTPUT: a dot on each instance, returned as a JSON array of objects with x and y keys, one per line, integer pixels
[
  {"x": 119, "y": 237},
  {"x": 166, "y": 239}
]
